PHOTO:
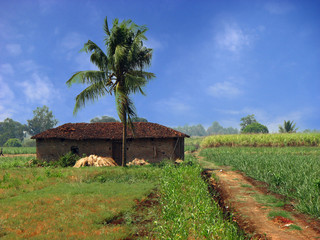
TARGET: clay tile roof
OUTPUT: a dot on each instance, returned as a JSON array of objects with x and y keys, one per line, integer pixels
[{"x": 79, "y": 131}]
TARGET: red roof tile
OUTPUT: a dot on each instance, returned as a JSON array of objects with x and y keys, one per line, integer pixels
[{"x": 79, "y": 131}]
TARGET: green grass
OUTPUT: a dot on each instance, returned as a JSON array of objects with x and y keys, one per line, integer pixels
[
  {"x": 295, "y": 227},
  {"x": 258, "y": 140},
  {"x": 292, "y": 172},
  {"x": 269, "y": 200},
  {"x": 280, "y": 213},
  {"x": 19, "y": 150},
  {"x": 68, "y": 203},
  {"x": 187, "y": 209},
  {"x": 13, "y": 162},
  {"x": 192, "y": 144}
]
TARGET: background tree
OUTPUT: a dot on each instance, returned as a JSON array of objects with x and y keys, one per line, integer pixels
[
  {"x": 11, "y": 129},
  {"x": 103, "y": 119},
  {"x": 288, "y": 127},
  {"x": 231, "y": 130},
  {"x": 196, "y": 130},
  {"x": 245, "y": 121},
  {"x": 42, "y": 120},
  {"x": 139, "y": 119},
  {"x": 215, "y": 128},
  {"x": 311, "y": 131},
  {"x": 255, "y": 128},
  {"x": 13, "y": 142},
  {"x": 121, "y": 71}
]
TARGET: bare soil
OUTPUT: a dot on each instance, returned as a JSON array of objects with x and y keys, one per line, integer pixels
[
  {"x": 236, "y": 195},
  {"x": 20, "y": 155}
]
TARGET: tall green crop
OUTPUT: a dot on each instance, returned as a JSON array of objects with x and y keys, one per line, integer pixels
[{"x": 293, "y": 172}]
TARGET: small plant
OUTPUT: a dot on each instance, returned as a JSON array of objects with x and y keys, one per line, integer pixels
[
  {"x": 280, "y": 213},
  {"x": 68, "y": 160},
  {"x": 295, "y": 227}
]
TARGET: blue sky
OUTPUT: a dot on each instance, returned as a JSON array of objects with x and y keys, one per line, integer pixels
[{"x": 214, "y": 60}]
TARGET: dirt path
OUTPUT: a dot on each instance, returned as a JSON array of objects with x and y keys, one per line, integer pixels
[
  {"x": 20, "y": 155},
  {"x": 239, "y": 195}
]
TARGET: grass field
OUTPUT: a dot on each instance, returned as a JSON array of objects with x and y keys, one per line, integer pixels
[
  {"x": 187, "y": 209},
  {"x": 291, "y": 171},
  {"x": 19, "y": 150},
  {"x": 192, "y": 144},
  {"x": 68, "y": 203},
  {"x": 259, "y": 140},
  {"x": 71, "y": 203},
  {"x": 14, "y": 162}
]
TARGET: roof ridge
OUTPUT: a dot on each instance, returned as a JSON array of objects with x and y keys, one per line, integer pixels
[{"x": 109, "y": 130}]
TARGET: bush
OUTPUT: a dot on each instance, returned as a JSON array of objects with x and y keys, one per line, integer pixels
[
  {"x": 13, "y": 142},
  {"x": 29, "y": 143},
  {"x": 255, "y": 128},
  {"x": 68, "y": 160}
]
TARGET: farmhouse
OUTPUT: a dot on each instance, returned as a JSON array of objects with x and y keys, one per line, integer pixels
[{"x": 150, "y": 141}]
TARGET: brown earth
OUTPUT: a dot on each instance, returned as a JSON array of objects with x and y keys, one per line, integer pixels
[
  {"x": 237, "y": 196},
  {"x": 20, "y": 155}
]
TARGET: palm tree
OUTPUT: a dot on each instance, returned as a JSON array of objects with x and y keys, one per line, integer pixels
[
  {"x": 288, "y": 127},
  {"x": 121, "y": 71}
]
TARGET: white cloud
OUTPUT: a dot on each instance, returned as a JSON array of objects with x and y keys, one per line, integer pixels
[
  {"x": 6, "y": 97},
  {"x": 232, "y": 38},
  {"x": 14, "y": 49},
  {"x": 7, "y": 69},
  {"x": 153, "y": 43},
  {"x": 278, "y": 7},
  {"x": 28, "y": 66},
  {"x": 38, "y": 89},
  {"x": 173, "y": 105},
  {"x": 46, "y": 5},
  {"x": 224, "y": 89},
  {"x": 72, "y": 41}
]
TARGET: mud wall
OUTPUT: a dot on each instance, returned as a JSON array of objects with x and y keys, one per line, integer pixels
[
  {"x": 153, "y": 150},
  {"x": 53, "y": 149}
]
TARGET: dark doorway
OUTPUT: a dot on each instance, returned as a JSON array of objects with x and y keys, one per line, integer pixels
[
  {"x": 75, "y": 150},
  {"x": 116, "y": 152}
]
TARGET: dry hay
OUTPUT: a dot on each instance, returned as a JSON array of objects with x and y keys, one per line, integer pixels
[
  {"x": 138, "y": 162},
  {"x": 178, "y": 161},
  {"x": 96, "y": 161}
]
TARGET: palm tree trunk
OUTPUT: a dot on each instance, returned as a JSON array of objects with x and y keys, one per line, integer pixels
[{"x": 124, "y": 140}]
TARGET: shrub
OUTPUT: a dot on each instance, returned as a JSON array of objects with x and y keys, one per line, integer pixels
[
  {"x": 255, "y": 128},
  {"x": 13, "y": 142},
  {"x": 68, "y": 160},
  {"x": 29, "y": 143}
]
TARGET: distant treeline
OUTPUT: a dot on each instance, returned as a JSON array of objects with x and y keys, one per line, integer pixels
[{"x": 199, "y": 130}]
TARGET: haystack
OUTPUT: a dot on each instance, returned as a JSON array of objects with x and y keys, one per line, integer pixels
[
  {"x": 138, "y": 162},
  {"x": 178, "y": 161},
  {"x": 94, "y": 160}
]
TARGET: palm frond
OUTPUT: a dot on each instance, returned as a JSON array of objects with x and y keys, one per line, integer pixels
[
  {"x": 98, "y": 57},
  {"x": 106, "y": 27},
  {"x": 91, "y": 93},
  {"x": 143, "y": 74},
  {"x": 87, "y": 77},
  {"x": 134, "y": 84},
  {"x": 119, "y": 55}
]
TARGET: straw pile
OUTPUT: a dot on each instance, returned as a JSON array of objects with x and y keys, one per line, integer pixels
[
  {"x": 178, "y": 161},
  {"x": 96, "y": 161},
  {"x": 138, "y": 162}
]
